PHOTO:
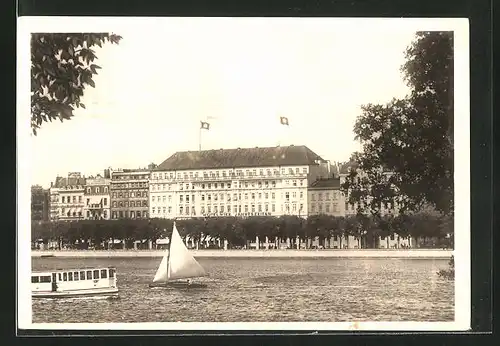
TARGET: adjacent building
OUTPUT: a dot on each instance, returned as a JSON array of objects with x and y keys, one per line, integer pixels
[
  {"x": 97, "y": 198},
  {"x": 129, "y": 189},
  {"x": 324, "y": 197},
  {"x": 66, "y": 197},
  {"x": 270, "y": 181},
  {"x": 352, "y": 208},
  {"x": 39, "y": 203}
]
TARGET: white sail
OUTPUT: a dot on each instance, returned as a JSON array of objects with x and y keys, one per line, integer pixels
[
  {"x": 178, "y": 263},
  {"x": 182, "y": 265},
  {"x": 161, "y": 274}
]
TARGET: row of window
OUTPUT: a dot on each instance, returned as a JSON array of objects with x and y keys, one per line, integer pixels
[
  {"x": 240, "y": 185},
  {"x": 71, "y": 187},
  {"x": 69, "y": 213},
  {"x": 286, "y": 207},
  {"x": 326, "y": 209},
  {"x": 222, "y": 197},
  {"x": 132, "y": 194},
  {"x": 76, "y": 276},
  {"x": 104, "y": 214},
  {"x": 334, "y": 195},
  {"x": 141, "y": 185},
  {"x": 67, "y": 199},
  {"x": 126, "y": 204},
  {"x": 133, "y": 214},
  {"x": 185, "y": 210},
  {"x": 104, "y": 201},
  {"x": 383, "y": 206},
  {"x": 130, "y": 177},
  {"x": 229, "y": 173},
  {"x": 216, "y": 209},
  {"x": 97, "y": 189},
  {"x": 42, "y": 278}
]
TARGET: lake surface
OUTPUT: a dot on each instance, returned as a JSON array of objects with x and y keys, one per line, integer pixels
[{"x": 263, "y": 290}]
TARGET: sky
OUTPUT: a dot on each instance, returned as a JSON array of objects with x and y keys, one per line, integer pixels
[{"x": 168, "y": 74}]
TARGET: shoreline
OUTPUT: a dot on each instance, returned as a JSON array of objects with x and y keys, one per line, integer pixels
[{"x": 334, "y": 253}]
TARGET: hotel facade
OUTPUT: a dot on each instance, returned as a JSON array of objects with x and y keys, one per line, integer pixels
[
  {"x": 66, "y": 197},
  {"x": 129, "y": 189},
  {"x": 243, "y": 182},
  {"x": 325, "y": 198},
  {"x": 97, "y": 198}
]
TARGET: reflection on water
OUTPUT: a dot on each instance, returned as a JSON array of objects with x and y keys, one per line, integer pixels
[{"x": 263, "y": 290}]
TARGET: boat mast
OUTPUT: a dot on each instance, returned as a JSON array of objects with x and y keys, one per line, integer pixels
[{"x": 168, "y": 255}]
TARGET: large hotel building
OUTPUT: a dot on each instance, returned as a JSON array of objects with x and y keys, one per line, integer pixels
[{"x": 235, "y": 182}]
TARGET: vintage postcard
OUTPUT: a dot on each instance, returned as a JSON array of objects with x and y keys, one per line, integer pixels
[{"x": 243, "y": 174}]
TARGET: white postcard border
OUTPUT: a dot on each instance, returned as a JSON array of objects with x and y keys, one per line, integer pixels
[{"x": 27, "y": 25}]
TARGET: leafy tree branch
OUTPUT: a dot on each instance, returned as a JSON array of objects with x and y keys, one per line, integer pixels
[{"x": 62, "y": 65}]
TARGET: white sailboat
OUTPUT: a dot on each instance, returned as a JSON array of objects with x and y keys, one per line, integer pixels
[{"x": 176, "y": 265}]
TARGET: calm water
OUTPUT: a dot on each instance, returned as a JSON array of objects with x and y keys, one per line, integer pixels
[{"x": 264, "y": 289}]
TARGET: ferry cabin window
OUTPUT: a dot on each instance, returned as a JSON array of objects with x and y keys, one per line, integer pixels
[
  {"x": 89, "y": 274},
  {"x": 76, "y": 276},
  {"x": 104, "y": 274},
  {"x": 70, "y": 276},
  {"x": 96, "y": 274},
  {"x": 82, "y": 275},
  {"x": 111, "y": 273},
  {"x": 60, "y": 276},
  {"x": 65, "y": 276},
  {"x": 45, "y": 278},
  {"x": 35, "y": 279}
]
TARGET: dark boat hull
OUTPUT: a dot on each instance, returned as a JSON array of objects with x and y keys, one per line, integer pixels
[{"x": 178, "y": 284}]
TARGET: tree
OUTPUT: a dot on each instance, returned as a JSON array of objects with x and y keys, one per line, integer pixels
[
  {"x": 340, "y": 229},
  {"x": 61, "y": 67},
  {"x": 412, "y": 138}
]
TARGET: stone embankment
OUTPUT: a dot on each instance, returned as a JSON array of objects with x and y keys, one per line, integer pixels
[{"x": 352, "y": 253}]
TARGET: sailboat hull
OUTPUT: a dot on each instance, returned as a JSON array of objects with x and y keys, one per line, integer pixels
[{"x": 177, "y": 284}]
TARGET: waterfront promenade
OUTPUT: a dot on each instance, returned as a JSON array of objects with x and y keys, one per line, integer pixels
[{"x": 351, "y": 253}]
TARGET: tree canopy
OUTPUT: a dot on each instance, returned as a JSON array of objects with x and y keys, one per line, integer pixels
[
  {"x": 237, "y": 231},
  {"x": 62, "y": 65},
  {"x": 412, "y": 138}
]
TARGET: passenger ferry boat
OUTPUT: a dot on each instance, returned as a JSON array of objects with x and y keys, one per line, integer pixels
[{"x": 67, "y": 283}]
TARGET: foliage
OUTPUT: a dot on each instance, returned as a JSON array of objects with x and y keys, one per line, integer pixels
[
  {"x": 38, "y": 200},
  {"x": 237, "y": 231},
  {"x": 62, "y": 65},
  {"x": 412, "y": 138}
]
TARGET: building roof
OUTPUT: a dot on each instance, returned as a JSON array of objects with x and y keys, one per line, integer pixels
[
  {"x": 63, "y": 182},
  {"x": 241, "y": 157},
  {"x": 130, "y": 170},
  {"x": 332, "y": 183},
  {"x": 344, "y": 167}
]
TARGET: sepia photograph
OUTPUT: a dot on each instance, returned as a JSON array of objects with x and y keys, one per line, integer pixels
[{"x": 243, "y": 173}]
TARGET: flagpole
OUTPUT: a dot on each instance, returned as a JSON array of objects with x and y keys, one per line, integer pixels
[{"x": 199, "y": 140}]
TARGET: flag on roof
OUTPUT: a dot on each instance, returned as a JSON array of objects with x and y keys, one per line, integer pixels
[
  {"x": 284, "y": 121},
  {"x": 205, "y": 125}
]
